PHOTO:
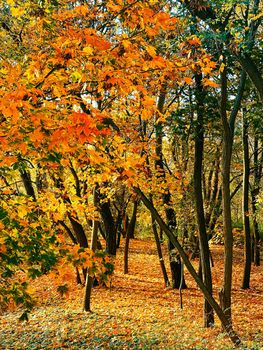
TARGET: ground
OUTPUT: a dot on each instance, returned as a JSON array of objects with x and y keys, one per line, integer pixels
[{"x": 137, "y": 312}]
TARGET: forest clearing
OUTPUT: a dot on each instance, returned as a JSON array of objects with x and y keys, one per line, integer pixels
[{"x": 137, "y": 312}]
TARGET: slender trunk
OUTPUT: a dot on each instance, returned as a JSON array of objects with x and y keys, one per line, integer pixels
[
  {"x": 126, "y": 253},
  {"x": 172, "y": 236},
  {"x": 217, "y": 211},
  {"x": 118, "y": 229},
  {"x": 214, "y": 191},
  {"x": 247, "y": 245},
  {"x": 256, "y": 236},
  {"x": 130, "y": 229},
  {"x": 208, "y": 191},
  {"x": 77, "y": 227},
  {"x": 93, "y": 246},
  {"x": 74, "y": 240},
  {"x": 175, "y": 261},
  {"x": 78, "y": 277},
  {"x": 160, "y": 254},
  {"x": 228, "y": 135},
  {"x": 254, "y": 193},
  {"x": 225, "y": 292},
  {"x": 199, "y": 206},
  {"x": 133, "y": 221}
]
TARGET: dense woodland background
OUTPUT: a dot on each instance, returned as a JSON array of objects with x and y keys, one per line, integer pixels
[{"x": 131, "y": 161}]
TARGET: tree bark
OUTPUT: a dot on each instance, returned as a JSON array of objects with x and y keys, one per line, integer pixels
[
  {"x": 247, "y": 243},
  {"x": 110, "y": 227},
  {"x": 160, "y": 254},
  {"x": 199, "y": 206},
  {"x": 228, "y": 135},
  {"x": 79, "y": 232},
  {"x": 254, "y": 193},
  {"x": 27, "y": 181}
]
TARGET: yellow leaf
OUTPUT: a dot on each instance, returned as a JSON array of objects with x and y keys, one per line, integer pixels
[
  {"x": 22, "y": 212},
  {"x": 17, "y": 12},
  {"x": 76, "y": 76},
  {"x": 257, "y": 16},
  {"x": 151, "y": 51},
  {"x": 88, "y": 50},
  {"x": 222, "y": 67}
]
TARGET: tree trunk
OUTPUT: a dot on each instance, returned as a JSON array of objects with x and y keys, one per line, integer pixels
[
  {"x": 199, "y": 207},
  {"x": 93, "y": 246},
  {"x": 214, "y": 192},
  {"x": 160, "y": 254},
  {"x": 247, "y": 243},
  {"x": 79, "y": 232},
  {"x": 225, "y": 292},
  {"x": 27, "y": 182},
  {"x": 227, "y": 326},
  {"x": 254, "y": 193},
  {"x": 118, "y": 229},
  {"x": 110, "y": 227},
  {"x": 228, "y": 135},
  {"x": 175, "y": 261},
  {"x": 178, "y": 281},
  {"x": 130, "y": 230},
  {"x": 132, "y": 223}
]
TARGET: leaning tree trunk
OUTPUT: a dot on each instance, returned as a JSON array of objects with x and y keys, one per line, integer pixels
[
  {"x": 247, "y": 245},
  {"x": 27, "y": 182},
  {"x": 199, "y": 206},
  {"x": 226, "y": 323},
  {"x": 160, "y": 254}
]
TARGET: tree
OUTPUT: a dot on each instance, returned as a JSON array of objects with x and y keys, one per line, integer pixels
[
  {"x": 198, "y": 173},
  {"x": 247, "y": 245}
]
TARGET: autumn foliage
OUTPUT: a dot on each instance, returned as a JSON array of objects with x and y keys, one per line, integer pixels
[{"x": 93, "y": 94}]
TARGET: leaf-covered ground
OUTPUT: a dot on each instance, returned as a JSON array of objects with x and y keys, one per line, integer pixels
[{"x": 137, "y": 312}]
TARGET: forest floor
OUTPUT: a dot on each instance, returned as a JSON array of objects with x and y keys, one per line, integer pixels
[{"x": 137, "y": 312}]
